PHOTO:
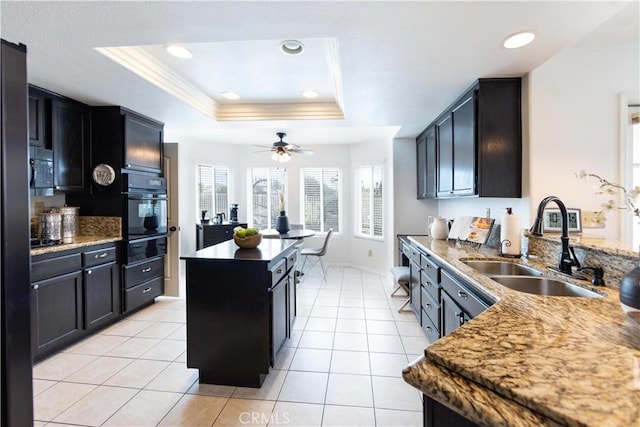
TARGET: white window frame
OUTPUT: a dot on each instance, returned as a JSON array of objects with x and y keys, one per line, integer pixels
[
  {"x": 340, "y": 199},
  {"x": 358, "y": 213},
  {"x": 211, "y": 214},
  {"x": 270, "y": 197},
  {"x": 628, "y": 223}
]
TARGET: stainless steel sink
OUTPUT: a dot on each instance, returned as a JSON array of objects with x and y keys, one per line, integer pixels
[
  {"x": 503, "y": 268},
  {"x": 544, "y": 286}
]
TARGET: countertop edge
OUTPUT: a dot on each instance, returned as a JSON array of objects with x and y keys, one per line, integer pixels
[
  {"x": 485, "y": 407},
  {"x": 81, "y": 242}
]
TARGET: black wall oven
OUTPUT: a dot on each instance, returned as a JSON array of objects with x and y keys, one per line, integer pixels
[
  {"x": 145, "y": 216},
  {"x": 146, "y": 206}
]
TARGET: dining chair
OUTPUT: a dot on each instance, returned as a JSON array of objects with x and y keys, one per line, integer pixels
[{"x": 319, "y": 253}]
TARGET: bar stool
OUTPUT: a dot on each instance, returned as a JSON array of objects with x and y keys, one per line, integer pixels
[{"x": 401, "y": 279}]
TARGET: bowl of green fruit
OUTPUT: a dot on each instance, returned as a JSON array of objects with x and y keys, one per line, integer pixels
[{"x": 246, "y": 238}]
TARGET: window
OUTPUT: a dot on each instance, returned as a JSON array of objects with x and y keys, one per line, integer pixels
[
  {"x": 213, "y": 189},
  {"x": 321, "y": 188},
  {"x": 370, "y": 201},
  {"x": 263, "y": 193}
]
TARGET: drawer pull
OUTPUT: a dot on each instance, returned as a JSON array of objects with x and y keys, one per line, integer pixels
[
  {"x": 102, "y": 255},
  {"x": 463, "y": 294},
  {"x": 428, "y": 328},
  {"x": 428, "y": 283},
  {"x": 35, "y": 286},
  {"x": 145, "y": 290},
  {"x": 146, "y": 270},
  {"x": 427, "y": 266},
  {"x": 428, "y": 305},
  {"x": 279, "y": 271}
]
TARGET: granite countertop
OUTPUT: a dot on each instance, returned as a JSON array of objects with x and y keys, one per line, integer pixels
[
  {"x": 266, "y": 251},
  {"x": 533, "y": 360},
  {"x": 80, "y": 241}
]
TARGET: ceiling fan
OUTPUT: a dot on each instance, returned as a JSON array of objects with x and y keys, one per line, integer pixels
[{"x": 282, "y": 150}]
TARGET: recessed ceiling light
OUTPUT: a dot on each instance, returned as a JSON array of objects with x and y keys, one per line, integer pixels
[
  {"x": 230, "y": 95},
  {"x": 179, "y": 51},
  {"x": 310, "y": 94},
  {"x": 520, "y": 39},
  {"x": 292, "y": 47}
]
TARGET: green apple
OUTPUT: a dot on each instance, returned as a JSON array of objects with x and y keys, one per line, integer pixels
[{"x": 241, "y": 233}]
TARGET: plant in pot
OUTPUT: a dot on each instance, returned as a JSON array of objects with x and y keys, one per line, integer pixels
[{"x": 630, "y": 284}]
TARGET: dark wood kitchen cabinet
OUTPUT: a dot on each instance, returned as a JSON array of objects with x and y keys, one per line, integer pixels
[
  {"x": 125, "y": 139},
  {"x": 479, "y": 142},
  {"x": 73, "y": 293},
  {"x": 245, "y": 298},
  {"x": 212, "y": 234},
  {"x": 39, "y": 108},
  {"x": 71, "y": 133},
  {"x": 427, "y": 163},
  {"x": 101, "y": 294},
  {"x": 56, "y": 313}
]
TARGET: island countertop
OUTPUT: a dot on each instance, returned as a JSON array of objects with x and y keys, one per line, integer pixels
[
  {"x": 531, "y": 359},
  {"x": 268, "y": 250}
]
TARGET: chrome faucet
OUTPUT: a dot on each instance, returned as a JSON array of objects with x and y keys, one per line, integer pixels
[{"x": 566, "y": 261}]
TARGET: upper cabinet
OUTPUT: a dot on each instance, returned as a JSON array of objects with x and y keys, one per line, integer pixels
[
  {"x": 61, "y": 127},
  {"x": 478, "y": 142},
  {"x": 39, "y": 108},
  {"x": 127, "y": 140},
  {"x": 71, "y": 129},
  {"x": 427, "y": 163}
]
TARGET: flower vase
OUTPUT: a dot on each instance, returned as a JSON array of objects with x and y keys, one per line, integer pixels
[
  {"x": 630, "y": 294},
  {"x": 282, "y": 223}
]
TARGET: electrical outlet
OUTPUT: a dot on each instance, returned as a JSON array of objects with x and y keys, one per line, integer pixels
[
  {"x": 370, "y": 253},
  {"x": 589, "y": 220}
]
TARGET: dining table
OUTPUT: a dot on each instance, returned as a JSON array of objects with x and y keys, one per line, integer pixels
[{"x": 293, "y": 234}]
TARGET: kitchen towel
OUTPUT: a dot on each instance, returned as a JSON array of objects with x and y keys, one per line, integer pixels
[{"x": 510, "y": 233}]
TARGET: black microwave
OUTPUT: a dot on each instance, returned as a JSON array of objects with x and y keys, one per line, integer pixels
[{"x": 40, "y": 171}]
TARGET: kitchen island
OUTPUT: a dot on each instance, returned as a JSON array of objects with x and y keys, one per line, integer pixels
[
  {"x": 531, "y": 360},
  {"x": 240, "y": 310}
]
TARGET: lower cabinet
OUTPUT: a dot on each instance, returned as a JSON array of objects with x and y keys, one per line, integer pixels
[
  {"x": 143, "y": 281},
  {"x": 72, "y": 293},
  {"x": 440, "y": 300},
  {"x": 279, "y": 317},
  {"x": 101, "y": 295},
  {"x": 438, "y": 415},
  {"x": 56, "y": 312}
]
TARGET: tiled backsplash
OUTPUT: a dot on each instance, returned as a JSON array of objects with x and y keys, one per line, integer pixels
[
  {"x": 100, "y": 226},
  {"x": 612, "y": 257}
]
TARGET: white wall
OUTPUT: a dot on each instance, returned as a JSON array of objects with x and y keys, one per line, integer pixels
[
  {"x": 410, "y": 214},
  {"x": 574, "y": 117},
  {"x": 570, "y": 122}
]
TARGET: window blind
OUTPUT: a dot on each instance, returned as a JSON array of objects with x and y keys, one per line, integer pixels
[{"x": 321, "y": 198}]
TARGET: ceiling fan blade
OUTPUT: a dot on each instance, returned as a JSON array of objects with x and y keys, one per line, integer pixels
[
  {"x": 262, "y": 151},
  {"x": 264, "y": 146},
  {"x": 291, "y": 146},
  {"x": 299, "y": 151}
]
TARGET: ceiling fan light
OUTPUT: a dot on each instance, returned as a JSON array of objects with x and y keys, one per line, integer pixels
[
  {"x": 519, "y": 39},
  {"x": 310, "y": 94},
  {"x": 292, "y": 47},
  {"x": 179, "y": 51}
]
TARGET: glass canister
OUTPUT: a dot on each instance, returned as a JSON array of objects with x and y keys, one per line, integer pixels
[
  {"x": 50, "y": 226},
  {"x": 69, "y": 223}
]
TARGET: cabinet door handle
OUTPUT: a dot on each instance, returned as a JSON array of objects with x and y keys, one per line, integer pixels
[
  {"x": 428, "y": 305},
  {"x": 89, "y": 271},
  {"x": 428, "y": 328},
  {"x": 35, "y": 286},
  {"x": 279, "y": 271},
  {"x": 463, "y": 294},
  {"x": 427, "y": 283},
  {"x": 461, "y": 319},
  {"x": 146, "y": 270},
  {"x": 102, "y": 255},
  {"x": 145, "y": 290}
]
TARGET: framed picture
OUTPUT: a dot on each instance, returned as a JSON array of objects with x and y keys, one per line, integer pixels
[{"x": 552, "y": 220}]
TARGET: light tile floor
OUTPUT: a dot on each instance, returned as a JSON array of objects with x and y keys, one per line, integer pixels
[{"x": 341, "y": 367}]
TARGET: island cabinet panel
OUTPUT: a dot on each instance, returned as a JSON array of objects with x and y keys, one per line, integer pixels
[{"x": 239, "y": 310}]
